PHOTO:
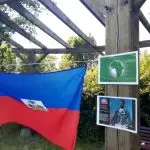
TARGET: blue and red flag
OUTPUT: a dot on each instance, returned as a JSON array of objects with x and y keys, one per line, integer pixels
[{"x": 49, "y": 103}]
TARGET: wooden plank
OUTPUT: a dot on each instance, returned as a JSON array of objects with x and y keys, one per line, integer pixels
[
  {"x": 111, "y": 135},
  {"x": 5, "y": 19},
  {"x": 20, "y": 56},
  {"x": 145, "y": 134},
  {"x": 122, "y": 35},
  {"x": 145, "y": 128},
  {"x": 61, "y": 50},
  {"x": 42, "y": 58},
  {"x": 144, "y": 21},
  {"x": 25, "y": 13},
  {"x": 12, "y": 42},
  {"x": 146, "y": 142},
  {"x": 99, "y": 49},
  {"x": 32, "y": 59},
  {"x": 139, "y": 3},
  {"x": 5, "y": 1},
  {"x": 143, "y": 44},
  {"x": 145, "y": 131},
  {"x": 99, "y": 5},
  {"x": 57, "y": 12},
  {"x": 145, "y": 138},
  {"x": 93, "y": 5},
  {"x": 93, "y": 9}
]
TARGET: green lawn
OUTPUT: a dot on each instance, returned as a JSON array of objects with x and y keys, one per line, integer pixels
[{"x": 10, "y": 140}]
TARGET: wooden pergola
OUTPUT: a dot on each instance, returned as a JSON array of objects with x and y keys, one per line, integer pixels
[{"x": 121, "y": 19}]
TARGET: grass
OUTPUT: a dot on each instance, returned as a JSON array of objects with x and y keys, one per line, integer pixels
[{"x": 10, "y": 140}]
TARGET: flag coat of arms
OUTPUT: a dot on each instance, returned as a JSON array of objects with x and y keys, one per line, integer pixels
[{"x": 48, "y": 103}]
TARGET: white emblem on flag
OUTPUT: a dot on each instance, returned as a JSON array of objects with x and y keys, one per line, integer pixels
[{"x": 34, "y": 104}]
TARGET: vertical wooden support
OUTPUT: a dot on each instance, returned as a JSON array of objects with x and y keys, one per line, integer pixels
[
  {"x": 122, "y": 35},
  {"x": 32, "y": 59},
  {"x": 27, "y": 132}
]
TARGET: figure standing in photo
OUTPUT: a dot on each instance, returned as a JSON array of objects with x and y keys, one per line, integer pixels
[{"x": 121, "y": 117}]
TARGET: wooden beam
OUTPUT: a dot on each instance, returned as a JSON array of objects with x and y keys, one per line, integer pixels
[
  {"x": 12, "y": 42},
  {"x": 5, "y": 1},
  {"x": 17, "y": 45},
  {"x": 5, "y": 19},
  {"x": 57, "y": 12},
  {"x": 144, "y": 21},
  {"x": 99, "y": 5},
  {"x": 97, "y": 13},
  {"x": 143, "y": 44},
  {"x": 32, "y": 59},
  {"x": 41, "y": 58},
  {"x": 138, "y": 4},
  {"x": 61, "y": 50},
  {"x": 122, "y": 35},
  {"x": 99, "y": 49},
  {"x": 93, "y": 6},
  {"x": 20, "y": 56},
  {"x": 25, "y": 13}
]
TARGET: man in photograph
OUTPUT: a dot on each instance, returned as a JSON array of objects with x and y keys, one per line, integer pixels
[{"x": 121, "y": 117}]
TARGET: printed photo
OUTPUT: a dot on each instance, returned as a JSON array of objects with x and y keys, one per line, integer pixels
[{"x": 117, "y": 112}]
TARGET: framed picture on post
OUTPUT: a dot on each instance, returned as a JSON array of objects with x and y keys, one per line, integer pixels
[
  {"x": 117, "y": 112},
  {"x": 119, "y": 69}
]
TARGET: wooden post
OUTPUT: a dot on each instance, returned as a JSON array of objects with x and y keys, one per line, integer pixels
[
  {"x": 27, "y": 132},
  {"x": 122, "y": 35},
  {"x": 32, "y": 59}
]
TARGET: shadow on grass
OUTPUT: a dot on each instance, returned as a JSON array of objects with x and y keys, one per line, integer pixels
[{"x": 10, "y": 140}]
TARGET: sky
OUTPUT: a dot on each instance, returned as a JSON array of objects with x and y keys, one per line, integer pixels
[{"x": 75, "y": 10}]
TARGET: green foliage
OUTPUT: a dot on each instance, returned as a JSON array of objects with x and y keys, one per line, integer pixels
[
  {"x": 91, "y": 88},
  {"x": 6, "y": 57},
  {"x": 145, "y": 109},
  {"x": 10, "y": 140},
  {"x": 77, "y": 59},
  {"x": 145, "y": 88},
  {"x": 145, "y": 73},
  {"x": 9, "y": 62},
  {"x": 88, "y": 130},
  {"x": 67, "y": 61},
  {"x": 32, "y": 5},
  {"x": 20, "y": 66},
  {"x": 48, "y": 64}
]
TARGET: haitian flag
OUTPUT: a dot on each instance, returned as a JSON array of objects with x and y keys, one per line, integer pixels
[{"x": 48, "y": 103}]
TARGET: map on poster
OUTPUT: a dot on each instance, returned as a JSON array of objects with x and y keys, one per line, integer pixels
[
  {"x": 117, "y": 112},
  {"x": 118, "y": 69}
]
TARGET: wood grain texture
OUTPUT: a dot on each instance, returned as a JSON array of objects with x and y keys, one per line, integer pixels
[
  {"x": 138, "y": 4},
  {"x": 100, "y": 5},
  {"x": 32, "y": 59},
  {"x": 122, "y": 35},
  {"x": 93, "y": 9},
  {"x": 99, "y": 49}
]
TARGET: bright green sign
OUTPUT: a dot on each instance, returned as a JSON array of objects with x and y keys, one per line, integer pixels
[{"x": 119, "y": 69}]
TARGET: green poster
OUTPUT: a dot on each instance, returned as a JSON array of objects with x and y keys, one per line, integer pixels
[{"x": 119, "y": 69}]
